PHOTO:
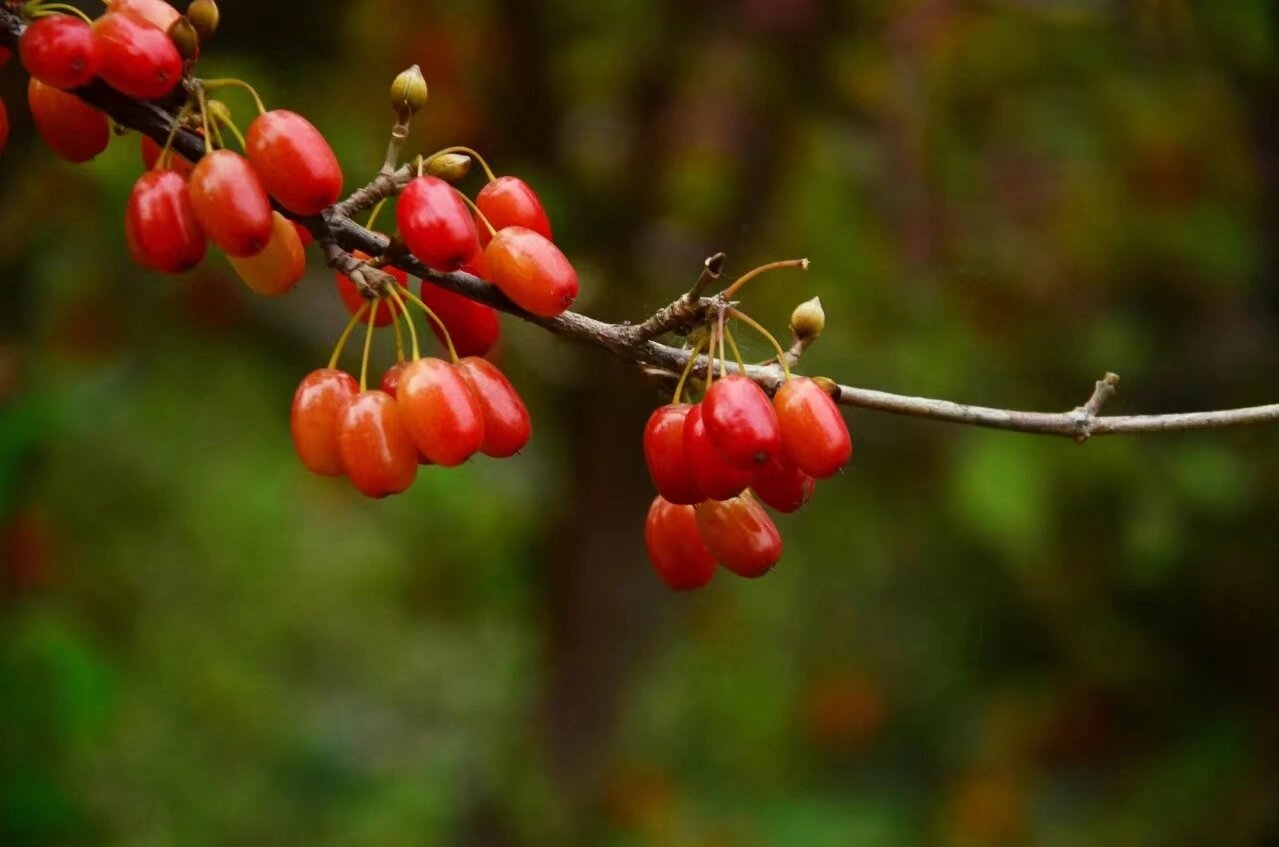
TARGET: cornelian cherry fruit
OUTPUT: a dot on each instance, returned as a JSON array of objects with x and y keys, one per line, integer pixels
[
  {"x": 162, "y": 223},
  {"x": 73, "y": 129},
  {"x": 158, "y": 13},
  {"x": 354, "y": 300},
  {"x": 507, "y": 426},
  {"x": 509, "y": 201},
  {"x": 441, "y": 413},
  {"x": 377, "y": 452},
  {"x": 58, "y": 50},
  {"x": 474, "y": 327},
  {"x": 296, "y": 165},
  {"x": 436, "y": 224},
  {"x": 741, "y": 422},
  {"x": 391, "y": 379},
  {"x": 318, "y": 405},
  {"x": 782, "y": 485},
  {"x": 813, "y": 431},
  {"x": 276, "y": 269},
  {"x": 304, "y": 234},
  {"x": 135, "y": 57},
  {"x": 714, "y": 476},
  {"x": 668, "y": 463},
  {"x": 231, "y": 204},
  {"x": 531, "y": 271},
  {"x": 151, "y": 151},
  {"x": 675, "y": 546},
  {"x": 740, "y": 535}
]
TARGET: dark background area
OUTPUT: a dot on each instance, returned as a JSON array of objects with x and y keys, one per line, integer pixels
[{"x": 973, "y": 638}]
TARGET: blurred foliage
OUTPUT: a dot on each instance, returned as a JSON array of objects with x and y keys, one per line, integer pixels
[{"x": 974, "y": 638}]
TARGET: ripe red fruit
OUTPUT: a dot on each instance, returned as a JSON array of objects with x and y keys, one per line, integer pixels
[
  {"x": 231, "y": 204},
  {"x": 354, "y": 300},
  {"x": 376, "y": 450},
  {"x": 135, "y": 248},
  {"x": 73, "y": 129},
  {"x": 58, "y": 50},
  {"x": 442, "y": 415},
  {"x": 675, "y": 546},
  {"x": 304, "y": 234},
  {"x": 295, "y": 163},
  {"x": 318, "y": 405},
  {"x": 531, "y": 271},
  {"x": 782, "y": 485},
  {"x": 158, "y": 13},
  {"x": 507, "y": 427},
  {"x": 668, "y": 463},
  {"x": 741, "y": 422},
  {"x": 813, "y": 430},
  {"x": 714, "y": 476},
  {"x": 134, "y": 56},
  {"x": 162, "y": 223},
  {"x": 276, "y": 269},
  {"x": 474, "y": 327},
  {"x": 508, "y": 201},
  {"x": 740, "y": 535},
  {"x": 151, "y": 151},
  {"x": 436, "y": 224},
  {"x": 391, "y": 379}
]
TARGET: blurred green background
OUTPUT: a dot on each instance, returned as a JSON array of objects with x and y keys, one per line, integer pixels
[{"x": 973, "y": 638}]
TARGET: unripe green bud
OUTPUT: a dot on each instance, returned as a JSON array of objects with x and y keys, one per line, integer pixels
[
  {"x": 204, "y": 16},
  {"x": 449, "y": 167},
  {"x": 808, "y": 320},
  {"x": 184, "y": 37},
  {"x": 409, "y": 93}
]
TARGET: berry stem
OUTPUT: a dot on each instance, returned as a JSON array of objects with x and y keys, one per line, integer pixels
[
  {"x": 444, "y": 330},
  {"x": 345, "y": 336},
  {"x": 408, "y": 319},
  {"x": 688, "y": 369},
  {"x": 483, "y": 218},
  {"x": 728, "y": 293},
  {"x": 755, "y": 325},
  {"x": 488, "y": 172},
  {"x": 376, "y": 211},
  {"x": 368, "y": 346},
  {"x": 215, "y": 84},
  {"x": 737, "y": 354},
  {"x": 209, "y": 130},
  {"x": 229, "y": 124},
  {"x": 46, "y": 9},
  {"x": 166, "y": 155},
  {"x": 399, "y": 333},
  {"x": 723, "y": 357}
]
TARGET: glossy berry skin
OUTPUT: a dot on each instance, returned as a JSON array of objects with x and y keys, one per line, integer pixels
[
  {"x": 474, "y": 327},
  {"x": 714, "y": 476},
  {"x": 294, "y": 162},
  {"x": 377, "y": 453},
  {"x": 151, "y": 151},
  {"x": 135, "y": 248},
  {"x": 391, "y": 379},
  {"x": 135, "y": 57},
  {"x": 74, "y": 130},
  {"x": 58, "y": 50},
  {"x": 531, "y": 271},
  {"x": 668, "y": 464},
  {"x": 318, "y": 405},
  {"x": 740, "y": 535},
  {"x": 231, "y": 204},
  {"x": 162, "y": 223},
  {"x": 782, "y": 485},
  {"x": 442, "y": 415},
  {"x": 276, "y": 269},
  {"x": 741, "y": 422},
  {"x": 507, "y": 426},
  {"x": 158, "y": 13},
  {"x": 436, "y": 224},
  {"x": 675, "y": 546},
  {"x": 508, "y": 201},
  {"x": 354, "y": 300},
  {"x": 813, "y": 431}
]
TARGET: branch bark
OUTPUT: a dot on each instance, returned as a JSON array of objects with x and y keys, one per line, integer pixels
[{"x": 339, "y": 237}]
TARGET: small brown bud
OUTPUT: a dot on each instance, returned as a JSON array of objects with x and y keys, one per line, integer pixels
[
  {"x": 449, "y": 167},
  {"x": 828, "y": 385},
  {"x": 808, "y": 320},
  {"x": 409, "y": 93},
  {"x": 204, "y": 16},
  {"x": 183, "y": 35}
]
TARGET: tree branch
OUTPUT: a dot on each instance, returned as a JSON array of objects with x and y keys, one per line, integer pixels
[{"x": 339, "y": 237}]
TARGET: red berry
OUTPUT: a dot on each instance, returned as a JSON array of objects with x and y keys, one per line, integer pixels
[
  {"x": 4, "y": 126},
  {"x": 295, "y": 163},
  {"x": 442, "y": 415},
  {"x": 158, "y": 13},
  {"x": 508, "y": 201},
  {"x": 58, "y": 50},
  {"x": 391, "y": 379},
  {"x": 675, "y": 546},
  {"x": 231, "y": 204},
  {"x": 318, "y": 406},
  {"x": 135, "y": 57},
  {"x": 740, "y": 535},
  {"x": 304, "y": 234},
  {"x": 741, "y": 422},
  {"x": 474, "y": 327},
  {"x": 377, "y": 452},
  {"x": 782, "y": 485},
  {"x": 531, "y": 271},
  {"x": 714, "y": 476},
  {"x": 813, "y": 430},
  {"x": 354, "y": 300},
  {"x": 135, "y": 247},
  {"x": 5, "y": 55},
  {"x": 72, "y": 128},
  {"x": 162, "y": 223},
  {"x": 668, "y": 463},
  {"x": 507, "y": 427},
  {"x": 151, "y": 151},
  {"x": 435, "y": 224},
  {"x": 275, "y": 270}
]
